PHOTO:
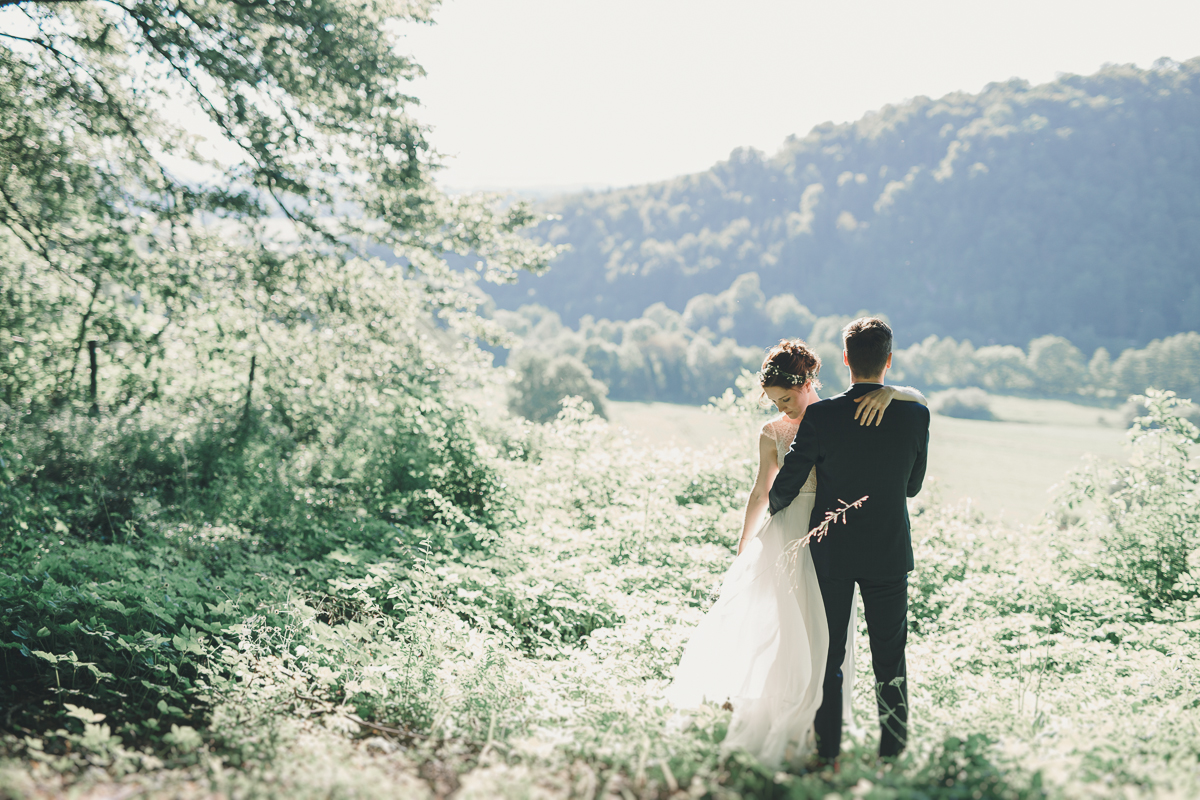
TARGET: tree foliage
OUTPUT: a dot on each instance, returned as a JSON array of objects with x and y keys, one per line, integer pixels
[
  {"x": 1051, "y": 365},
  {"x": 971, "y": 403},
  {"x": 690, "y": 357},
  {"x": 541, "y": 382},
  {"x": 655, "y": 357},
  {"x": 121, "y": 226}
]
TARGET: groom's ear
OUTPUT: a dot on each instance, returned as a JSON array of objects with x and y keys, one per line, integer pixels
[
  {"x": 845, "y": 358},
  {"x": 889, "y": 362}
]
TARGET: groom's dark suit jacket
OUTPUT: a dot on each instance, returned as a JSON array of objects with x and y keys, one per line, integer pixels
[{"x": 886, "y": 463}]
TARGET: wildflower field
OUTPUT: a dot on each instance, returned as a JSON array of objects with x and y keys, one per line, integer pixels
[{"x": 295, "y": 644}]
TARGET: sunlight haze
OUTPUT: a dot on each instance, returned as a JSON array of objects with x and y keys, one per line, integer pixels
[{"x": 547, "y": 95}]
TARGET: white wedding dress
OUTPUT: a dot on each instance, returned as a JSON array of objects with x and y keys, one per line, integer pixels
[{"x": 763, "y": 644}]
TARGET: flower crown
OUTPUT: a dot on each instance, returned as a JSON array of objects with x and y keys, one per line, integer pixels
[{"x": 772, "y": 372}]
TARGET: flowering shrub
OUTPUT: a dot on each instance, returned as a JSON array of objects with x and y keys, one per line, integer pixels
[{"x": 1146, "y": 515}]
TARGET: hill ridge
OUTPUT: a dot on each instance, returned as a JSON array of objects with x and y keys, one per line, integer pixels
[{"x": 1066, "y": 208}]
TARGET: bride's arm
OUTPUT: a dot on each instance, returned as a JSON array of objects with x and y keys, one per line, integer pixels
[
  {"x": 871, "y": 405},
  {"x": 768, "y": 467}
]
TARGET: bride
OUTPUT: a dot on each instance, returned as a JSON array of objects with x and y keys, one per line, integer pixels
[{"x": 762, "y": 646}]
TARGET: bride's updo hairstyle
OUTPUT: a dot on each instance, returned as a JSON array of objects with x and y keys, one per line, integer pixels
[{"x": 790, "y": 364}]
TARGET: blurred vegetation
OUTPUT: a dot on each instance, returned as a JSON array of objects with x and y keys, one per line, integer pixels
[
  {"x": 655, "y": 357},
  {"x": 540, "y": 383},
  {"x": 962, "y": 403},
  {"x": 1022, "y": 211}
]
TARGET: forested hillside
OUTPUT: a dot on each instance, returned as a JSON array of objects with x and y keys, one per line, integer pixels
[{"x": 1069, "y": 208}]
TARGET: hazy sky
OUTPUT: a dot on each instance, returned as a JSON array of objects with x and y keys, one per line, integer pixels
[{"x": 563, "y": 93}]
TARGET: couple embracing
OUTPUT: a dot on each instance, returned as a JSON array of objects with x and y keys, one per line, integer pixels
[{"x": 778, "y": 645}]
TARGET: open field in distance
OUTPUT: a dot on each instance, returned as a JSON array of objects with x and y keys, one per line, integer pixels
[{"x": 1005, "y": 467}]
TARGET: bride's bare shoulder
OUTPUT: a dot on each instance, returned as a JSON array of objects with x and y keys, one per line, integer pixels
[{"x": 773, "y": 427}]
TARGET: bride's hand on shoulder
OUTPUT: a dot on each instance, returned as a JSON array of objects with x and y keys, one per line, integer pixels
[{"x": 872, "y": 404}]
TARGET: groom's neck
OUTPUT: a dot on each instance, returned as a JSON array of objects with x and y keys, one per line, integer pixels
[{"x": 876, "y": 378}]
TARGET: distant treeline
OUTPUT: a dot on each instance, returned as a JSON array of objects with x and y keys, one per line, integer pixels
[
  {"x": 689, "y": 357},
  {"x": 1068, "y": 208},
  {"x": 1053, "y": 366}
]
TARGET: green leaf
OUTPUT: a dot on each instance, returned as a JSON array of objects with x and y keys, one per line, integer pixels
[
  {"x": 115, "y": 605},
  {"x": 183, "y": 737},
  {"x": 84, "y": 714}
]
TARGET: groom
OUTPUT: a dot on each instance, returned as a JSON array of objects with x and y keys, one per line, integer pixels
[{"x": 886, "y": 463}]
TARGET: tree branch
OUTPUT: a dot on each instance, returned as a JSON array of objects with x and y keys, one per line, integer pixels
[
  {"x": 83, "y": 324},
  {"x": 22, "y": 227},
  {"x": 5, "y": 3},
  {"x": 222, "y": 122}
]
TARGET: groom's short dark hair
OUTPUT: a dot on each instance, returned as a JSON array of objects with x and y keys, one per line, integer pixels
[{"x": 868, "y": 342}]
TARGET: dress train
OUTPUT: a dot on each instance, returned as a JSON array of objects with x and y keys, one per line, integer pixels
[{"x": 762, "y": 647}]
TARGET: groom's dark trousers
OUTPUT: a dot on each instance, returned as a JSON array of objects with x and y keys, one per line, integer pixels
[
  {"x": 873, "y": 547},
  {"x": 886, "y": 606}
]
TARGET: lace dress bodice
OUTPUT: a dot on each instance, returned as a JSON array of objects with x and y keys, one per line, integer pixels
[{"x": 782, "y": 430}]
